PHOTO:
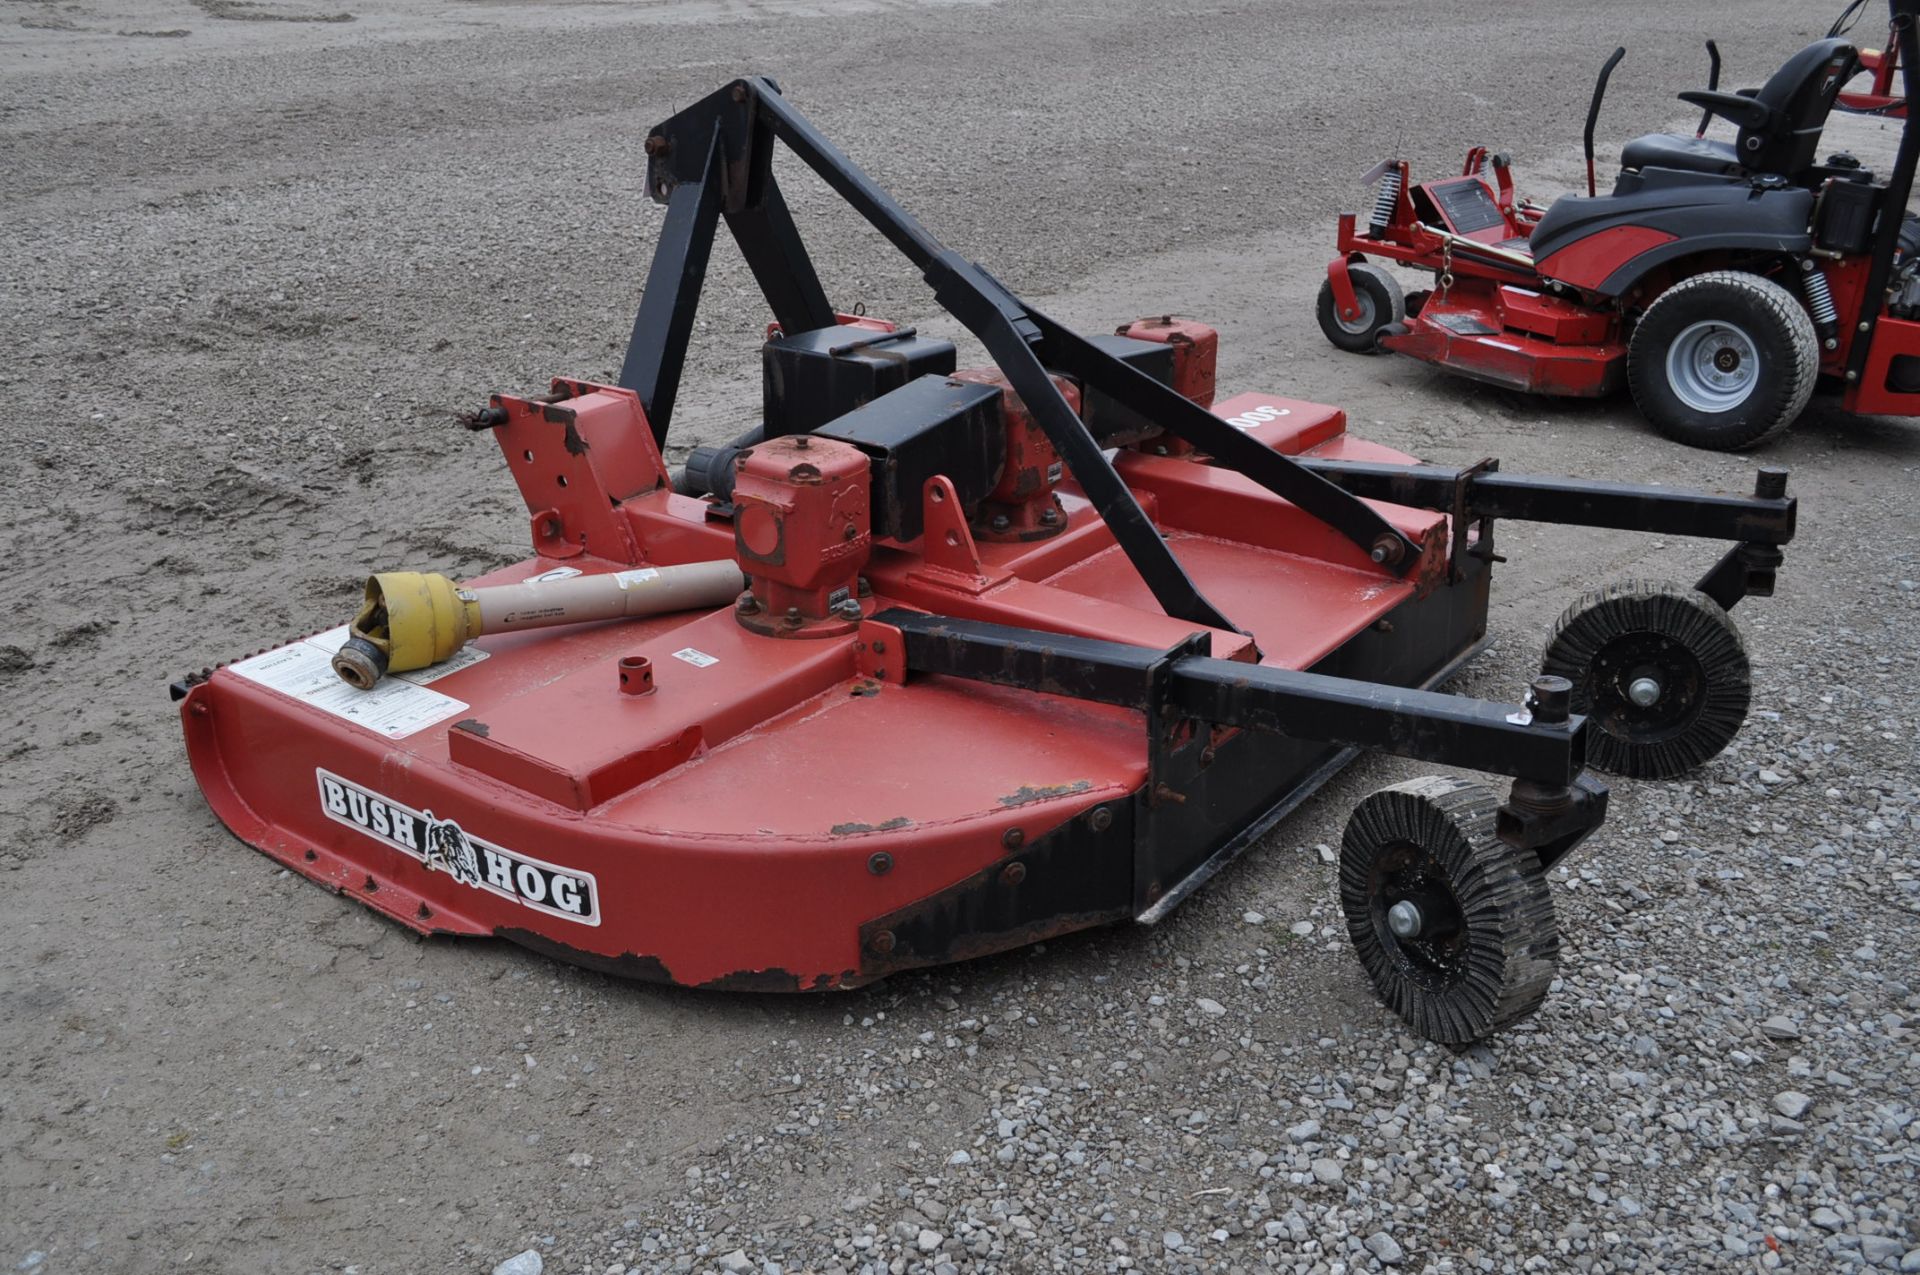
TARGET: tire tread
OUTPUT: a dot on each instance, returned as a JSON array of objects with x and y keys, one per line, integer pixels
[{"x": 1774, "y": 301}]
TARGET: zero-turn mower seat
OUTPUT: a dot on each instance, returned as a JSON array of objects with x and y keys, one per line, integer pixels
[
  {"x": 1688, "y": 154},
  {"x": 1782, "y": 136}
]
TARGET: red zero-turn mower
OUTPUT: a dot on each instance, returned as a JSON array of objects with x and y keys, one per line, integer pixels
[
  {"x": 937, "y": 663},
  {"x": 1720, "y": 280}
]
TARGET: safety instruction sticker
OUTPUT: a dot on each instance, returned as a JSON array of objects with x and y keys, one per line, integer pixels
[
  {"x": 696, "y": 657},
  {"x": 398, "y": 706}
]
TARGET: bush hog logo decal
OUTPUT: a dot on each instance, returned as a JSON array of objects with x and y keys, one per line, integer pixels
[{"x": 444, "y": 846}]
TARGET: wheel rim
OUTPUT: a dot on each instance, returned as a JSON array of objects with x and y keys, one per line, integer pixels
[
  {"x": 1365, "y": 323},
  {"x": 1646, "y": 688},
  {"x": 1713, "y": 366},
  {"x": 1417, "y": 917}
]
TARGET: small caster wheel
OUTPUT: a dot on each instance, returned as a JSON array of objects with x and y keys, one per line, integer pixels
[
  {"x": 1454, "y": 925},
  {"x": 1660, "y": 672},
  {"x": 1381, "y": 304}
]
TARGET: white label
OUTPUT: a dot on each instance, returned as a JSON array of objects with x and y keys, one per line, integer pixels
[
  {"x": 558, "y": 573},
  {"x": 699, "y": 659},
  {"x": 394, "y": 708},
  {"x": 466, "y": 657},
  {"x": 444, "y": 846},
  {"x": 1255, "y": 417},
  {"x": 639, "y": 575}
]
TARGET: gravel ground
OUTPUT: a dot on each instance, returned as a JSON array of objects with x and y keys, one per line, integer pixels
[{"x": 259, "y": 256}]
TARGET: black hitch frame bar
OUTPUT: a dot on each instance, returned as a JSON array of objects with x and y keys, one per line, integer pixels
[
  {"x": 714, "y": 160},
  {"x": 1554, "y": 804},
  {"x": 1758, "y": 524}
]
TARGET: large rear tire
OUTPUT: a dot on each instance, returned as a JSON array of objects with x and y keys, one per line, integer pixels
[
  {"x": 1381, "y": 303},
  {"x": 1725, "y": 360}
]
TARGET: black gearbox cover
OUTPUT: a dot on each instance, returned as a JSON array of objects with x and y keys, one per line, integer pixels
[
  {"x": 1112, "y": 422},
  {"x": 809, "y": 378},
  {"x": 928, "y": 426}
]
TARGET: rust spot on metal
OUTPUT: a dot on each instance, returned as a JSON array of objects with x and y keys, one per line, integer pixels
[
  {"x": 1028, "y": 793},
  {"x": 850, "y": 829},
  {"x": 576, "y": 445},
  {"x": 473, "y": 726},
  {"x": 768, "y": 980}
]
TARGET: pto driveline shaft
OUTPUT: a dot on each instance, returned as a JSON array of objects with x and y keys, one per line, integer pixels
[{"x": 410, "y": 620}]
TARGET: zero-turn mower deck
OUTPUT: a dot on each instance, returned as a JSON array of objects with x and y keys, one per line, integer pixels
[{"x": 1020, "y": 650}]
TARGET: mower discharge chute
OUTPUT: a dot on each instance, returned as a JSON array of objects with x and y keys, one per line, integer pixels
[
  {"x": 1020, "y": 650},
  {"x": 1720, "y": 281}
]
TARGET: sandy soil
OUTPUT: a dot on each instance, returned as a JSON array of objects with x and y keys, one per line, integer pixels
[{"x": 259, "y": 255}]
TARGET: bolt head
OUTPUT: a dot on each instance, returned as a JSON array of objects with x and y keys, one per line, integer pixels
[
  {"x": 1404, "y": 919},
  {"x": 1000, "y": 522},
  {"x": 1644, "y": 691}
]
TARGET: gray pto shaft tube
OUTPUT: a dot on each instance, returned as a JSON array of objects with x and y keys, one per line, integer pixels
[{"x": 411, "y": 620}]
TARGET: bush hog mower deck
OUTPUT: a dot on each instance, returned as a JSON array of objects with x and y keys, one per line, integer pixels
[
  {"x": 1720, "y": 281},
  {"x": 939, "y": 663}
]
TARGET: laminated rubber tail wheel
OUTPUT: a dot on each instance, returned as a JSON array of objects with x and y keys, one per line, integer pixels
[
  {"x": 1660, "y": 672},
  {"x": 1454, "y": 926}
]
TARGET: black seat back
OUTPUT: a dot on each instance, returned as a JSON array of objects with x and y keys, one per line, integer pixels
[{"x": 1799, "y": 96}]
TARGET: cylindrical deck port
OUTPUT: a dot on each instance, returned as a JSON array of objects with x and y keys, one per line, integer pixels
[{"x": 636, "y": 675}]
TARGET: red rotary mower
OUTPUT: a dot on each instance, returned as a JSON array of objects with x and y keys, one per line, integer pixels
[
  {"x": 1719, "y": 281},
  {"x": 936, "y": 663}
]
